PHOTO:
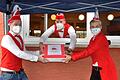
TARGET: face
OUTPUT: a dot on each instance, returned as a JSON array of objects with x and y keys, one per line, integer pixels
[
  {"x": 60, "y": 23},
  {"x": 15, "y": 26},
  {"x": 95, "y": 28}
]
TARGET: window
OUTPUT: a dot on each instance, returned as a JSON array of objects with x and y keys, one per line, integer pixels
[
  {"x": 111, "y": 23},
  {"x": 35, "y": 24},
  {"x": 73, "y": 20}
]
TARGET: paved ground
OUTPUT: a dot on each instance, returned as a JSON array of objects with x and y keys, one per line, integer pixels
[{"x": 79, "y": 70}]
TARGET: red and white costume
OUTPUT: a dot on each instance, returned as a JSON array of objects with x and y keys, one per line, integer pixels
[
  {"x": 67, "y": 31},
  {"x": 98, "y": 50},
  {"x": 12, "y": 47},
  {"x": 70, "y": 32},
  {"x": 13, "y": 52}
]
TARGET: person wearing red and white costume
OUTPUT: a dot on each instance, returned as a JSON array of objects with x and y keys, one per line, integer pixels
[
  {"x": 12, "y": 47},
  {"x": 103, "y": 67},
  {"x": 61, "y": 29}
]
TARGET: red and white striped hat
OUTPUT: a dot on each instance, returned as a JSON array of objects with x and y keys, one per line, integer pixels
[{"x": 15, "y": 14}]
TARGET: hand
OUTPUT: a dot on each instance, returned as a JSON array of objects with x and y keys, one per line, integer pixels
[
  {"x": 67, "y": 58},
  {"x": 42, "y": 59}
]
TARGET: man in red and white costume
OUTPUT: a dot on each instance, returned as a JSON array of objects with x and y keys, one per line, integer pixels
[
  {"x": 61, "y": 29},
  {"x": 12, "y": 47}
]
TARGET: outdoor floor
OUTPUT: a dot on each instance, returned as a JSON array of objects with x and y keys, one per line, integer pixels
[{"x": 79, "y": 70}]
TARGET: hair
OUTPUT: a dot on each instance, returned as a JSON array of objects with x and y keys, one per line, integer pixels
[{"x": 96, "y": 21}]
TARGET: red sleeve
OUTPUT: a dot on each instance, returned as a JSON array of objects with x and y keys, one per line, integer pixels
[{"x": 92, "y": 48}]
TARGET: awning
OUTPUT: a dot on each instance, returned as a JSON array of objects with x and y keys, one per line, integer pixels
[{"x": 55, "y": 6}]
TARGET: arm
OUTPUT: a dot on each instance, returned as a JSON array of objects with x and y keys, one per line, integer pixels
[
  {"x": 92, "y": 48},
  {"x": 13, "y": 48},
  {"x": 37, "y": 52},
  {"x": 46, "y": 34},
  {"x": 73, "y": 40}
]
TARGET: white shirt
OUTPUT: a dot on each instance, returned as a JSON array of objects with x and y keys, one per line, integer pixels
[
  {"x": 51, "y": 30},
  {"x": 8, "y": 43}
]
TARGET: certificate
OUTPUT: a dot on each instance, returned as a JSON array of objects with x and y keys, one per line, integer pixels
[{"x": 54, "y": 52}]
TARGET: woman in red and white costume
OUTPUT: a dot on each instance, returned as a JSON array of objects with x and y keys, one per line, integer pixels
[
  {"x": 61, "y": 29},
  {"x": 13, "y": 52},
  {"x": 103, "y": 67}
]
